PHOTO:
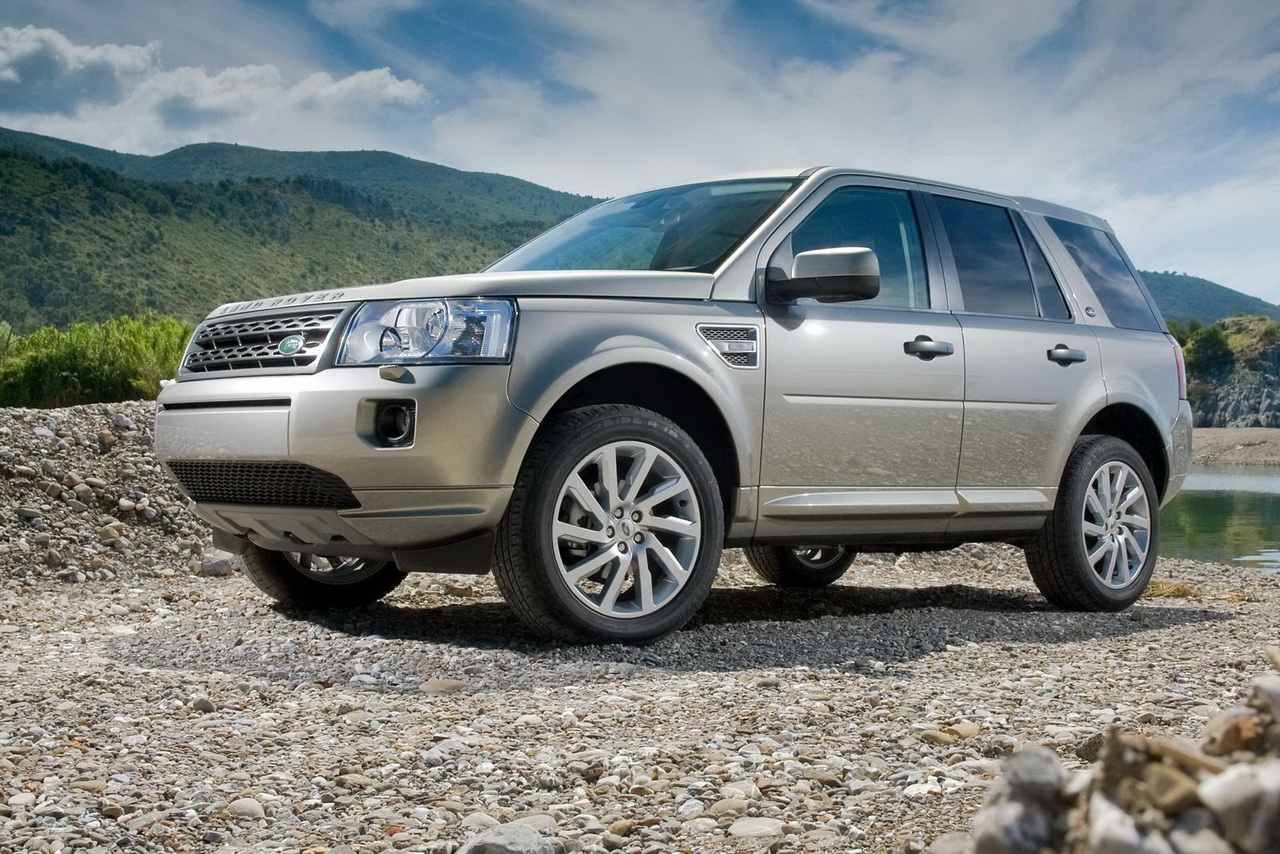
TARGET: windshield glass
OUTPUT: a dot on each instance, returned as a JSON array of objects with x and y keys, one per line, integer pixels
[{"x": 692, "y": 228}]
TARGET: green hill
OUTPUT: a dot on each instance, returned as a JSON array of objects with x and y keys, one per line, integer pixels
[
  {"x": 87, "y": 233},
  {"x": 1182, "y": 297},
  {"x": 505, "y": 210},
  {"x": 82, "y": 243}
]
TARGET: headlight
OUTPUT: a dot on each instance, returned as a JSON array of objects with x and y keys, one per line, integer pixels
[{"x": 414, "y": 331}]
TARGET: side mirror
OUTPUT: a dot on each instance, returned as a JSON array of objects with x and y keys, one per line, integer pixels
[{"x": 841, "y": 274}]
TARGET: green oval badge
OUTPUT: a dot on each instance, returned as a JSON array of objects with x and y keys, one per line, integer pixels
[{"x": 291, "y": 345}]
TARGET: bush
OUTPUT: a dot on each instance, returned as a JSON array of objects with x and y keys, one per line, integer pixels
[
  {"x": 1207, "y": 350},
  {"x": 123, "y": 358}
]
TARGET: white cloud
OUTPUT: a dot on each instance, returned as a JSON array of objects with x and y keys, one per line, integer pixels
[
  {"x": 360, "y": 14},
  {"x": 139, "y": 106},
  {"x": 42, "y": 69},
  {"x": 1158, "y": 114},
  {"x": 1097, "y": 105}
]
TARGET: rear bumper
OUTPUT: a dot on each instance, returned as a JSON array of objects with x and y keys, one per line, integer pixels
[{"x": 1179, "y": 451}]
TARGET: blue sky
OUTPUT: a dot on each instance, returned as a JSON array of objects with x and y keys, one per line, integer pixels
[{"x": 1161, "y": 115}]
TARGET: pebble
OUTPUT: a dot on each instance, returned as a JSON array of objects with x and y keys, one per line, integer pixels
[
  {"x": 507, "y": 839},
  {"x": 756, "y": 828},
  {"x": 217, "y": 564},
  {"x": 246, "y": 808},
  {"x": 442, "y": 686}
]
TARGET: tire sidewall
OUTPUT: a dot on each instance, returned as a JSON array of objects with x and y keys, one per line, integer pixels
[
  {"x": 541, "y": 510},
  {"x": 1070, "y": 511}
]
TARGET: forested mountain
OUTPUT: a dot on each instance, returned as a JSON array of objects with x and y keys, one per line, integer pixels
[
  {"x": 508, "y": 210},
  {"x": 87, "y": 233},
  {"x": 82, "y": 243},
  {"x": 1182, "y": 297}
]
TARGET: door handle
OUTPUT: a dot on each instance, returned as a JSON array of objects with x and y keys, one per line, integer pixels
[
  {"x": 925, "y": 348},
  {"x": 1064, "y": 355}
]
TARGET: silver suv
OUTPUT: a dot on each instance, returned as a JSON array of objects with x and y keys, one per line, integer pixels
[{"x": 803, "y": 364}]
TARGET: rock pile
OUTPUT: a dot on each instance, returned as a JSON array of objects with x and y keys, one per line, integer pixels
[
  {"x": 82, "y": 497},
  {"x": 1145, "y": 795},
  {"x": 1242, "y": 396}
]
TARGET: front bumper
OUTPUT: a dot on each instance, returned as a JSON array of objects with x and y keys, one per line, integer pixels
[{"x": 451, "y": 485}]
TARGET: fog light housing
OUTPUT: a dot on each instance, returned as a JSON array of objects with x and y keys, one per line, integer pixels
[{"x": 394, "y": 422}]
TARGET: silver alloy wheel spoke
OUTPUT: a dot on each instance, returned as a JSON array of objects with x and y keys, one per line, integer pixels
[
  {"x": 819, "y": 557},
  {"x": 627, "y": 530},
  {"x": 334, "y": 570},
  {"x": 1116, "y": 524}
]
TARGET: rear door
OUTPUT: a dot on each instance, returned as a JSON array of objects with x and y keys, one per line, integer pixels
[
  {"x": 1033, "y": 375},
  {"x": 861, "y": 434}
]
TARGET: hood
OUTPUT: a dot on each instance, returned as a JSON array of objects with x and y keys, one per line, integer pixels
[{"x": 636, "y": 284}]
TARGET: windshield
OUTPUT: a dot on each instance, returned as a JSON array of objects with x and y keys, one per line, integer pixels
[{"x": 692, "y": 228}]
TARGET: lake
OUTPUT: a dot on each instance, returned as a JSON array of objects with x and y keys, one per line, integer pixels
[{"x": 1226, "y": 514}]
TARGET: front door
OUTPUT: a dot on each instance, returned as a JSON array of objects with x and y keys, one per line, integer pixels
[{"x": 863, "y": 400}]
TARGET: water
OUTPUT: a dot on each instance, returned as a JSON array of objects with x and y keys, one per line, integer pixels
[{"x": 1225, "y": 514}]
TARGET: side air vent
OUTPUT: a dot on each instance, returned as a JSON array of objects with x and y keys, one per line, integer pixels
[{"x": 739, "y": 346}]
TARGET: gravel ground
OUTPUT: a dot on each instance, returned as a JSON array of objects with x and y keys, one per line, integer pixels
[{"x": 150, "y": 705}]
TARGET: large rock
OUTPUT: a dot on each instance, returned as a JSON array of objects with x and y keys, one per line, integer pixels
[{"x": 507, "y": 839}]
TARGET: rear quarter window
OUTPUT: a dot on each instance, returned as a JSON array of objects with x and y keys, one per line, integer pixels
[{"x": 1094, "y": 251}]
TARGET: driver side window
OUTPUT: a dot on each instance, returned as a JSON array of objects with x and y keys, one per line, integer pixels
[{"x": 882, "y": 220}]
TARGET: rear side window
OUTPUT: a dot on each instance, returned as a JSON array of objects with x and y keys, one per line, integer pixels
[
  {"x": 1095, "y": 253},
  {"x": 1053, "y": 304},
  {"x": 994, "y": 276}
]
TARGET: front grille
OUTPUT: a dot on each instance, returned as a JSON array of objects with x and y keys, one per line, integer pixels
[
  {"x": 263, "y": 483},
  {"x": 738, "y": 345},
  {"x": 254, "y": 343}
]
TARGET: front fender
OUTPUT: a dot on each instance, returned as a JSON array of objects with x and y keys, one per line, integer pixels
[{"x": 565, "y": 341}]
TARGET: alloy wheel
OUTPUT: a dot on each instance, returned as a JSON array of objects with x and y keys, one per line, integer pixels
[
  {"x": 627, "y": 529},
  {"x": 1116, "y": 524}
]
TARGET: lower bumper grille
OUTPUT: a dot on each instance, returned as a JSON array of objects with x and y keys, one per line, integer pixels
[{"x": 268, "y": 484}]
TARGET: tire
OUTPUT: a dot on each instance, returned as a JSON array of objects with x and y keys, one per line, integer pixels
[
  {"x": 800, "y": 566},
  {"x": 581, "y": 561},
  {"x": 1097, "y": 549},
  {"x": 310, "y": 581}
]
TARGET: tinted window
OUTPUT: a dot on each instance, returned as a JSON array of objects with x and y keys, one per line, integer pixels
[
  {"x": 994, "y": 277},
  {"x": 1103, "y": 266},
  {"x": 692, "y": 228},
  {"x": 881, "y": 220},
  {"x": 1052, "y": 303}
]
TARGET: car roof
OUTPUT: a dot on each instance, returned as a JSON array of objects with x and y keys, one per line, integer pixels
[{"x": 1026, "y": 203}]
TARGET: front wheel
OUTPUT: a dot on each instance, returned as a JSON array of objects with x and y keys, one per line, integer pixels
[
  {"x": 312, "y": 581},
  {"x": 614, "y": 530},
  {"x": 1097, "y": 549},
  {"x": 800, "y": 566}
]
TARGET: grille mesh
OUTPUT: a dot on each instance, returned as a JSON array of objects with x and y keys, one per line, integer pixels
[
  {"x": 248, "y": 343},
  {"x": 728, "y": 333},
  {"x": 738, "y": 346},
  {"x": 263, "y": 483}
]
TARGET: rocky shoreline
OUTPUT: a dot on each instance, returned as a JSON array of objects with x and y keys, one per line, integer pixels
[
  {"x": 1241, "y": 446},
  {"x": 152, "y": 700}
]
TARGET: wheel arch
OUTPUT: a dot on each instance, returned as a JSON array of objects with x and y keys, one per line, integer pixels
[
  {"x": 673, "y": 395},
  {"x": 1132, "y": 424}
]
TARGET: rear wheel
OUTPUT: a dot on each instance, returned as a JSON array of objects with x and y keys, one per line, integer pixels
[
  {"x": 800, "y": 566},
  {"x": 614, "y": 530},
  {"x": 312, "y": 581},
  {"x": 1097, "y": 549}
]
